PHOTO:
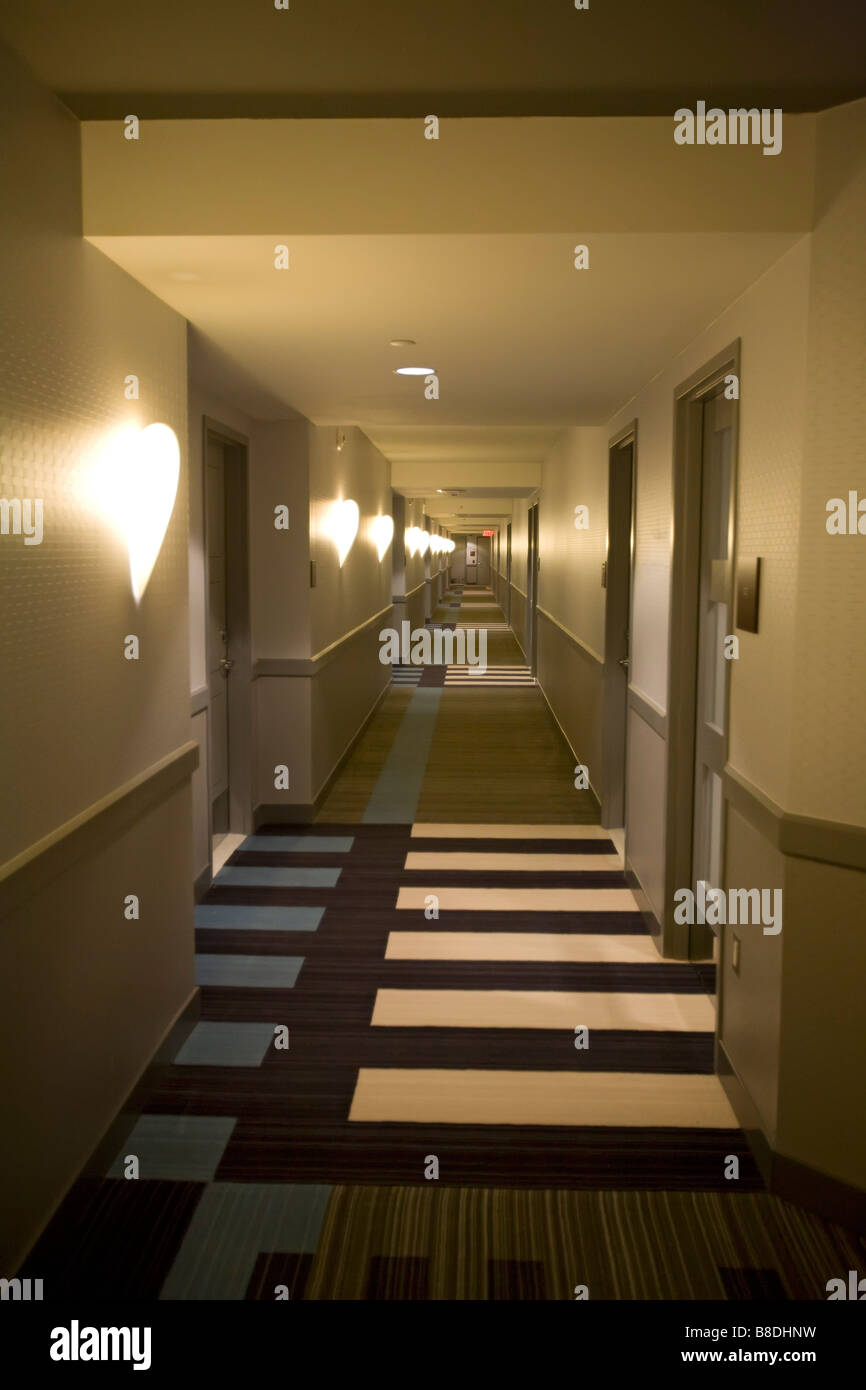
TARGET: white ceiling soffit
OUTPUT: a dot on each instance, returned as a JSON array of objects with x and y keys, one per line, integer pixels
[{"x": 579, "y": 176}]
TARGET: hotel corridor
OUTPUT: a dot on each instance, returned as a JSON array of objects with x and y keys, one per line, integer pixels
[
  {"x": 439, "y": 1055},
  {"x": 432, "y": 558}
]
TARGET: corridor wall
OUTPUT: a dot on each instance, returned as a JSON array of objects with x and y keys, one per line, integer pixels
[
  {"x": 351, "y": 603},
  {"x": 96, "y": 937},
  {"x": 795, "y": 807},
  {"x": 570, "y": 592}
]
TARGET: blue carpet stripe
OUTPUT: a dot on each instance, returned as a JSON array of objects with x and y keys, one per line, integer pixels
[
  {"x": 234, "y": 1223},
  {"x": 270, "y": 876},
  {"x": 226, "y": 1045},
  {"x": 297, "y": 844},
  {"x": 243, "y": 917},
  {"x": 179, "y": 1148},
  {"x": 248, "y": 972}
]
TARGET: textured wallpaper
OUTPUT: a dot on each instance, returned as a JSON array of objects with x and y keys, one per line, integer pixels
[
  {"x": 78, "y": 718},
  {"x": 828, "y": 752}
]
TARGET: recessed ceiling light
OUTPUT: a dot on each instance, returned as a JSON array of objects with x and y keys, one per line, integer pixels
[
  {"x": 402, "y": 342},
  {"x": 414, "y": 371}
]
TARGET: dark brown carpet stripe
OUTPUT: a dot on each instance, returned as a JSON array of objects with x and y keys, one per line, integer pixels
[
  {"x": 505, "y": 847},
  {"x": 516, "y": 1279},
  {"x": 271, "y": 1149},
  {"x": 114, "y": 1239},
  {"x": 752, "y": 1284},
  {"x": 271, "y": 1271},
  {"x": 664, "y": 978},
  {"x": 398, "y": 1277}
]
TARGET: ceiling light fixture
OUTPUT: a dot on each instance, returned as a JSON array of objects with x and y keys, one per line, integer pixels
[
  {"x": 414, "y": 371},
  {"x": 402, "y": 342}
]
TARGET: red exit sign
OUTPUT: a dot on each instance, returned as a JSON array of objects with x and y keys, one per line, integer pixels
[{"x": 488, "y": 533}]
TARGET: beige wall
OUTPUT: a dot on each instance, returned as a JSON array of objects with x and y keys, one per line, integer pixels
[
  {"x": 790, "y": 1016},
  {"x": 281, "y": 619},
  {"x": 570, "y": 595},
  {"x": 827, "y": 740},
  {"x": 311, "y": 688},
  {"x": 569, "y": 581},
  {"x": 88, "y": 995},
  {"x": 278, "y": 474},
  {"x": 771, "y": 320},
  {"x": 519, "y": 543},
  {"x": 346, "y": 597}
]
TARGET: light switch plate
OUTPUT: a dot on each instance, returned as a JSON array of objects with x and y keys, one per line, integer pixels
[{"x": 748, "y": 588}]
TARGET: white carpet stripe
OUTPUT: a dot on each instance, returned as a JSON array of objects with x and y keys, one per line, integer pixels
[
  {"x": 521, "y": 899},
  {"x": 512, "y": 1008},
  {"x": 451, "y": 830},
  {"x": 504, "y": 862},
  {"x": 529, "y": 946},
  {"x": 417, "y": 1096}
]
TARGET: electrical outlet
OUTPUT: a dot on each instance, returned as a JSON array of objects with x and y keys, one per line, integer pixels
[{"x": 735, "y": 954}]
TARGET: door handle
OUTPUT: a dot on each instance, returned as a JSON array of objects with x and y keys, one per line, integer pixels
[
  {"x": 226, "y": 664},
  {"x": 624, "y": 661}
]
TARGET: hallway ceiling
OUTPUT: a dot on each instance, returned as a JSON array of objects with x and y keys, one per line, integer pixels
[
  {"x": 516, "y": 335},
  {"x": 407, "y": 57}
]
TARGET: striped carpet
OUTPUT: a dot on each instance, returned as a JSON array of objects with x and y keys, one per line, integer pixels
[
  {"x": 490, "y": 677},
  {"x": 437, "y": 1060}
]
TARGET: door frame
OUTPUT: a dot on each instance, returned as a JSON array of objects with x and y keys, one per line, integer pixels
[
  {"x": 239, "y": 704},
  {"x": 507, "y": 604},
  {"x": 689, "y": 397},
  {"x": 532, "y": 567},
  {"x": 615, "y": 721}
]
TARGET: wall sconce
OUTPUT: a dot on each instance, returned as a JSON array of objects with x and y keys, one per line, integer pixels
[
  {"x": 343, "y": 526},
  {"x": 383, "y": 533},
  {"x": 134, "y": 483}
]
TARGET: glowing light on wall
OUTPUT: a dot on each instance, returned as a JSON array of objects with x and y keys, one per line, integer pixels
[
  {"x": 343, "y": 526},
  {"x": 417, "y": 540},
  {"x": 383, "y": 533},
  {"x": 134, "y": 484}
]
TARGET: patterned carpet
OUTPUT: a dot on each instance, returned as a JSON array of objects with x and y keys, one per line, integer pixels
[{"x": 436, "y": 1061}]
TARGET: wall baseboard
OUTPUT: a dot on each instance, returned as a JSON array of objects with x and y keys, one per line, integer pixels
[
  {"x": 301, "y": 813},
  {"x": 120, "y": 1127},
  {"x": 273, "y": 813},
  {"x": 577, "y": 758},
  {"x": 785, "y": 1177},
  {"x": 645, "y": 907},
  {"x": 202, "y": 883},
  {"x": 176, "y": 1035}
]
